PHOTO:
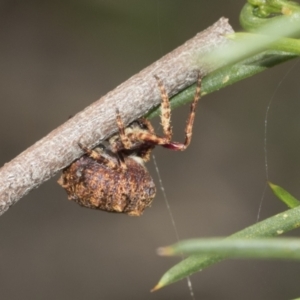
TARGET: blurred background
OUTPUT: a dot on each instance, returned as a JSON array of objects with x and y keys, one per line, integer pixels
[{"x": 56, "y": 58}]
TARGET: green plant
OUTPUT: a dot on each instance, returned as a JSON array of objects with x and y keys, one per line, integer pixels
[{"x": 271, "y": 27}]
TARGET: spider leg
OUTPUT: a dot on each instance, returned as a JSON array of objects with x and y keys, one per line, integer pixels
[
  {"x": 165, "y": 111},
  {"x": 121, "y": 161},
  {"x": 152, "y": 139},
  {"x": 147, "y": 124},
  {"x": 98, "y": 157},
  {"x": 146, "y": 149},
  {"x": 190, "y": 121},
  {"x": 165, "y": 116},
  {"x": 126, "y": 143}
]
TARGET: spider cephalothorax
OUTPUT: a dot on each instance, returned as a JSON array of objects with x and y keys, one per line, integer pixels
[{"x": 114, "y": 178}]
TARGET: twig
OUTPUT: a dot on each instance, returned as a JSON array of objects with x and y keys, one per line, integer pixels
[{"x": 133, "y": 98}]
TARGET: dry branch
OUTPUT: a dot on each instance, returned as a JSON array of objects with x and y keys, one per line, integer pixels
[{"x": 133, "y": 98}]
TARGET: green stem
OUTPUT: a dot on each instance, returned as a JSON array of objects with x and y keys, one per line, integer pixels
[
  {"x": 258, "y": 248},
  {"x": 247, "y": 55},
  {"x": 289, "y": 45},
  {"x": 229, "y": 75},
  {"x": 270, "y": 227},
  {"x": 269, "y": 46},
  {"x": 257, "y": 13}
]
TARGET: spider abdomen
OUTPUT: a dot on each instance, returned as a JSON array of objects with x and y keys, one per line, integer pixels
[{"x": 94, "y": 185}]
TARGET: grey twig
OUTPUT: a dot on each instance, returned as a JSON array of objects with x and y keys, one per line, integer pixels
[{"x": 133, "y": 98}]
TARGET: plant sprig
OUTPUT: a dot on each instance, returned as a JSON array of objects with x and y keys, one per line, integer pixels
[{"x": 273, "y": 25}]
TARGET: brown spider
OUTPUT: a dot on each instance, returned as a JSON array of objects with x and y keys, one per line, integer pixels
[{"x": 114, "y": 178}]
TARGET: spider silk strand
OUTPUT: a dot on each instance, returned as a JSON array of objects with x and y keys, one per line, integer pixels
[{"x": 189, "y": 282}]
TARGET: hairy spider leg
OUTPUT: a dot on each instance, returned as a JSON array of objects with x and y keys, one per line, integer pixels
[
  {"x": 128, "y": 140},
  {"x": 126, "y": 143},
  {"x": 98, "y": 157},
  {"x": 146, "y": 148},
  {"x": 165, "y": 141},
  {"x": 165, "y": 111},
  {"x": 190, "y": 121}
]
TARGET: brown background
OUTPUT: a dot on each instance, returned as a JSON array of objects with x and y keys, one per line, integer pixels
[{"x": 57, "y": 57}]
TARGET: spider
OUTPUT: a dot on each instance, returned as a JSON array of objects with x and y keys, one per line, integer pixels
[{"x": 113, "y": 178}]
